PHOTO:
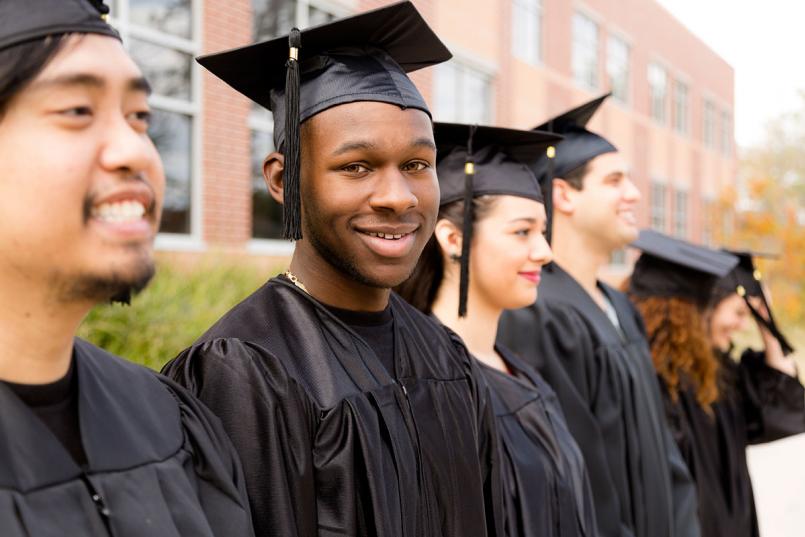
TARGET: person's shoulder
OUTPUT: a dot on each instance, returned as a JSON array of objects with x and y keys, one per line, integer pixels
[{"x": 109, "y": 365}]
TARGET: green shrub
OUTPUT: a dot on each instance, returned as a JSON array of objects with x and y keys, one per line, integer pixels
[{"x": 175, "y": 309}]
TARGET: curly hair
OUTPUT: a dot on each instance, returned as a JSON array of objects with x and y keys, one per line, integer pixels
[{"x": 680, "y": 347}]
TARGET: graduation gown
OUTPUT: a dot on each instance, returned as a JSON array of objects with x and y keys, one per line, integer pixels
[
  {"x": 158, "y": 462},
  {"x": 607, "y": 387},
  {"x": 757, "y": 404},
  {"x": 546, "y": 488},
  {"x": 333, "y": 444}
]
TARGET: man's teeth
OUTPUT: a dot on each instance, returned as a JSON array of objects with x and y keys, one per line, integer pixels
[
  {"x": 388, "y": 236},
  {"x": 124, "y": 211}
]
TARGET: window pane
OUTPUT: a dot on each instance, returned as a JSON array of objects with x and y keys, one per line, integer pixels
[
  {"x": 709, "y": 134},
  {"x": 726, "y": 132},
  {"x": 266, "y": 213},
  {"x": 476, "y": 102},
  {"x": 681, "y": 107},
  {"x": 526, "y": 30},
  {"x": 585, "y": 51},
  {"x": 167, "y": 70},
  {"x": 658, "y": 206},
  {"x": 658, "y": 83},
  {"x": 681, "y": 214},
  {"x": 618, "y": 68},
  {"x": 172, "y": 134},
  {"x": 170, "y": 16},
  {"x": 446, "y": 98},
  {"x": 318, "y": 16},
  {"x": 273, "y": 17}
]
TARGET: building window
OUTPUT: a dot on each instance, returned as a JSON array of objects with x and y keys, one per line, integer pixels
[
  {"x": 463, "y": 94},
  {"x": 658, "y": 90},
  {"x": 658, "y": 204},
  {"x": 681, "y": 109},
  {"x": 681, "y": 214},
  {"x": 272, "y": 18},
  {"x": 162, "y": 39},
  {"x": 527, "y": 30},
  {"x": 709, "y": 124},
  {"x": 726, "y": 133},
  {"x": 585, "y": 51},
  {"x": 618, "y": 68}
]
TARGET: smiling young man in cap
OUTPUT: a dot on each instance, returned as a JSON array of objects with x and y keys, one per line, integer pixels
[
  {"x": 353, "y": 413},
  {"x": 89, "y": 444},
  {"x": 589, "y": 343}
]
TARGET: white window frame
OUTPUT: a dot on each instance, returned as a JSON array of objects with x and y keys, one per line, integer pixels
[
  {"x": 681, "y": 231},
  {"x": 614, "y": 37},
  {"x": 663, "y": 208},
  {"x": 587, "y": 84},
  {"x": 465, "y": 61},
  {"x": 654, "y": 70},
  {"x": 709, "y": 122},
  {"x": 726, "y": 141},
  {"x": 684, "y": 126},
  {"x": 121, "y": 20},
  {"x": 529, "y": 47}
]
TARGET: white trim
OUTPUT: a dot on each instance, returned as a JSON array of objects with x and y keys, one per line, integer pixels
[
  {"x": 277, "y": 247},
  {"x": 179, "y": 242},
  {"x": 471, "y": 59},
  {"x": 171, "y": 104},
  {"x": 164, "y": 39}
]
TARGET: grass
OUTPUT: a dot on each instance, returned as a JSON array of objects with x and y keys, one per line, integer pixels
[{"x": 175, "y": 309}]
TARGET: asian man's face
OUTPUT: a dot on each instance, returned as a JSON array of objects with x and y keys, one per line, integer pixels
[{"x": 81, "y": 184}]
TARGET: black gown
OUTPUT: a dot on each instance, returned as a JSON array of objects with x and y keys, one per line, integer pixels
[
  {"x": 545, "y": 483},
  {"x": 608, "y": 390},
  {"x": 331, "y": 443},
  {"x": 158, "y": 462},
  {"x": 757, "y": 404}
]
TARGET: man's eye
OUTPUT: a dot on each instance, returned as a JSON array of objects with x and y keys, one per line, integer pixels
[
  {"x": 77, "y": 111},
  {"x": 416, "y": 166},
  {"x": 355, "y": 168},
  {"x": 143, "y": 116}
]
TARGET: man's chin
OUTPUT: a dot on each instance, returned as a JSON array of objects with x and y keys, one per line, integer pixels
[{"x": 115, "y": 285}]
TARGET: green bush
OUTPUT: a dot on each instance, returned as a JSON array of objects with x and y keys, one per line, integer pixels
[{"x": 175, "y": 309}]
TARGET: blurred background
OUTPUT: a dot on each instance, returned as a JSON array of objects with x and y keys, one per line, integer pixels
[{"x": 707, "y": 104}]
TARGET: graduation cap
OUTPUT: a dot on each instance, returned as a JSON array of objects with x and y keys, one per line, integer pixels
[
  {"x": 745, "y": 279},
  {"x": 478, "y": 161},
  {"x": 28, "y": 20},
  {"x": 577, "y": 148},
  {"x": 671, "y": 267},
  {"x": 296, "y": 76}
]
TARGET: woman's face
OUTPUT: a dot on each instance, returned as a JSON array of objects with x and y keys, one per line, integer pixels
[
  {"x": 508, "y": 252},
  {"x": 728, "y": 317}
]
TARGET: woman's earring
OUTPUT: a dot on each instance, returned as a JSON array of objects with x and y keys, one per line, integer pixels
[{"x": 454, "y": 257}]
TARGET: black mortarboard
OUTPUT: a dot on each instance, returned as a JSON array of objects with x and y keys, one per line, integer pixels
[
  {"x": 360, "y": 58},
  {"x": 671, "y": 267},
  {"x": 477, "y": 161},
  {"x": 28, "y": 20},
  {"x": 578, "y": 147},
  {"x": 745, "y": 280}
]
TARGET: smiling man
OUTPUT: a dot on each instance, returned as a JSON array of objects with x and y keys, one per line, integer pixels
[
  {"x": 589, "y": 343},
  {"x": 89, "y": 444},
  {"x": 353, "y": 413}
]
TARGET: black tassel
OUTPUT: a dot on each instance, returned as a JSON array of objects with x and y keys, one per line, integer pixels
[
  {"x": 291, "y": 203},
  {"x": 466, "y": 232},
  {"x": 547, "y": 189},
  {"x": 769, "y": 324},
  {"x": 102, "y": 8}
]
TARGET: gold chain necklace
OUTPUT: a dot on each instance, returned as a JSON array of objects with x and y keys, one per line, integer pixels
[{"x": 294, "y": 280}]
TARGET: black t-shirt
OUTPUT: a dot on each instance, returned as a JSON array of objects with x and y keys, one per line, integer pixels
[
  {"x": 56, "y": 404},
  {"x": 376, "y": 328}
]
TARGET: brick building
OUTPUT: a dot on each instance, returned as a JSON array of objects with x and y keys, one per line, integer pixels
[{"x": 516, "y": 63}]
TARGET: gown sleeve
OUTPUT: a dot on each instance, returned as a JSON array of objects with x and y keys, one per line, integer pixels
[
  {"x": 488, "y": 443},
  {"x": 773, "y": 402},
  {"x": 270, "y": 421},
  {"x": 556, "y": 341},
  {"x": 221, "y": 486}
]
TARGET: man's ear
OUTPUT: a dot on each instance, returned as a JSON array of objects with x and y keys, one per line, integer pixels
[
  {"x": 273, "y": 168},
  {"x": 564, "y": 199},
  {"x": 449, "y": 238}
]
